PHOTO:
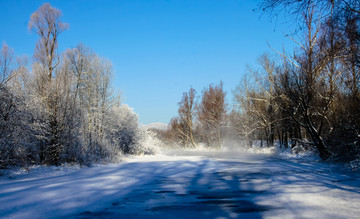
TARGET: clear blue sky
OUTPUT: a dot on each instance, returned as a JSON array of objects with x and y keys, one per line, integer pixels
[{"x": 159, "y": 48}]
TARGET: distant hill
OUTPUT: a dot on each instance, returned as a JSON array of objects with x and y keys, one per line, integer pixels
[{"x": 156, "y": 125}]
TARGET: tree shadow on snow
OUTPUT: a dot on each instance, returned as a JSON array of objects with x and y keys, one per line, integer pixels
[
  {"x": 207, "y": 188},
  {"x": 189, "y": 189}
]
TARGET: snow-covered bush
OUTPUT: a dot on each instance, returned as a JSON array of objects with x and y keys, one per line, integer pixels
[
  {"x": 127, "y": 135},
  {"x": 147, "y": 142}
]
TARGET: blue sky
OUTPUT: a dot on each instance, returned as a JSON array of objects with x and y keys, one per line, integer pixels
[{"x": 159, "y": 48}]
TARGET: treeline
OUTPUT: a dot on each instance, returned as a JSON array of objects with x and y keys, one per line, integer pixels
[
  {"x": 309, "y": 97},
  {"x": 61, "y": 107},
  {"x": 199, "y": 121}
]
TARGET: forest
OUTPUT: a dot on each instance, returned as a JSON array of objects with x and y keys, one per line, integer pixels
[
  {"x": 284, "y": 142},
  {"x": 304, "y": 99},
  {"x": 61, "y": 108}
]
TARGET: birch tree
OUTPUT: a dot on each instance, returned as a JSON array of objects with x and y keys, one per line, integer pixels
[
  {"x": 93, "y": 92},
  {"x": 15, "y": 132},
  {"x": 46, "y": 22},
  {"x": 187, "y": 107},
  {"x": 301, "y": 86}
]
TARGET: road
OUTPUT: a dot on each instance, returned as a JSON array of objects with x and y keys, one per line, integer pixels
[{"x": 189, "y": 185}]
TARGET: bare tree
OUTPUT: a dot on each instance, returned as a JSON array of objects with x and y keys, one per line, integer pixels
[
  {"x": 187, "y": 107},
  {"x": 294, "y": 6},
  {"x": 14, "y": 113},
  {"x": 46, "y": 22},
  {"x": 256, "y": 111},
  {"x": 319, "y": 86},
  {"x": 7, "y": 62},
  {"x": 352, "y": 60},
  {"x": 301, "y": 85},
  {"x": 92, "y": 91},
  {"x": 211, "y": 113}
]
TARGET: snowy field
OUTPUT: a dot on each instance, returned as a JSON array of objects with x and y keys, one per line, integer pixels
[{"x": 180, "y": 184}]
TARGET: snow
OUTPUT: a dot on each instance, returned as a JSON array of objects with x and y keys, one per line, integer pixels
[
  {"x": 156, "y": 125},
  {"x": 191, "y": 184}
]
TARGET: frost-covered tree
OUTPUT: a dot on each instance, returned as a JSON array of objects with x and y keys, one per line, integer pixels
[
  {"x": 15, "y": 117},
  {"x": 126, "y": 133},
  {"x": 62, "y": 110},
  {"x": 92, "y": 91},
  {"x": 6, "y": 64},
  {"x": 47, "y": 23},
  {"x": 187, "y": 113}
]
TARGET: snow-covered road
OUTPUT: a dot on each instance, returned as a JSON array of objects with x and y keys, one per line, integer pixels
[{"x": 190, "y": 185}]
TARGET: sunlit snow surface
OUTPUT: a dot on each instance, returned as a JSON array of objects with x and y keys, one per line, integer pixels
[{"x": 186, "y": 184}]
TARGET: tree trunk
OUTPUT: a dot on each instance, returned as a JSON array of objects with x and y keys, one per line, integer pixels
[{"x": 316, "y": 138}]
